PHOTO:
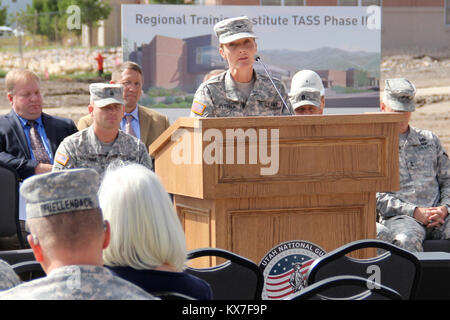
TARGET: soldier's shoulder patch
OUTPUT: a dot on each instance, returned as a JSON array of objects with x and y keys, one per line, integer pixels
[
  {"x": 61, "y": 158},
  {"x": 198, "y": 107}
]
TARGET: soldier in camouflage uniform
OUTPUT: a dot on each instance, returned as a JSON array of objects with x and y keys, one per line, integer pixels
[
  {"x": 307, "y": 95},
  {"x": 68, "y": 235},
  {"x": 102, "y": 144},
  {"x": 419, "y": 210},
  {"x": 240, "y": 91},
  {"x": 8, "y": 278}
]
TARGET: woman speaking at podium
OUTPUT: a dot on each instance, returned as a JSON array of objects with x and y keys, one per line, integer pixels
[{"x": 239, "y": 91}]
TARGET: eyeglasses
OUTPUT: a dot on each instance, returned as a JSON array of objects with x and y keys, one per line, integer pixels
[{"x": 128, "y": 84}]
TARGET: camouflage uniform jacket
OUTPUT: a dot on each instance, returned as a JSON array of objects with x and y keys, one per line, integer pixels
[
  {"x": 424, "y": 176},
  {"x": 8, "y": 278},
  {"x": 84, "y": 150},
  {"x": 77, "y": 282},
  {"x": 219, "y": 97}
]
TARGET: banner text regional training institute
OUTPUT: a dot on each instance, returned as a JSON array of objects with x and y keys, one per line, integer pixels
[{"x": 259, "y": 20}]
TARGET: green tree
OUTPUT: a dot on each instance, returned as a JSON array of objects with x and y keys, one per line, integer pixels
[
  {"x": 92, "y": 11},
  {"x": 41, "y": 17},
  {"x": 49, "y": 17},
  {"x": 3, "y": 14}
]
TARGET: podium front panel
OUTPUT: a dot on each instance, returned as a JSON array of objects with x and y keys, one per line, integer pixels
[
  {"x": 311, "y": 159},
  {"x": 252, "y": 226},
  {"x": 328, "y": 171}
]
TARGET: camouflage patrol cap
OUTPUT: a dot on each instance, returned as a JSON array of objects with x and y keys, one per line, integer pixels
[
  {"x": 60, "y": 191},
  {"x": 103, "y": 94},
  {"x": 304, "y": 97},
  {"x": 399, "y": 94},
  {"x": 233, "y": 29}
]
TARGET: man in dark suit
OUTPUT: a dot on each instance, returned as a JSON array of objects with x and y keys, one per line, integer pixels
[
  {"x": 144, "y": 123},
  {"x": 28, "y": 137}
]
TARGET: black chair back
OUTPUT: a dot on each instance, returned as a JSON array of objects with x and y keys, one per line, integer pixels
[
  {"x": 337, "y": 288},
  {"x": 28, "y": 270},
  {"x": 396, "y": 268},
  {"x": 9, "y": 198},
  {"x": 16, "y": 256},
  {"x": 236, "y": 279},
  {"x": 442, "y": 245}
]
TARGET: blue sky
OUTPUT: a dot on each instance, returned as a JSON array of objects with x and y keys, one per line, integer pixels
[{"x": 17, "y": 5}]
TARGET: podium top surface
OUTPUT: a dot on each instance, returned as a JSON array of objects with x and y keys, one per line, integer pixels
[
  {"x": 303, "y": 155},
  {"x": 374, "y": 117}
]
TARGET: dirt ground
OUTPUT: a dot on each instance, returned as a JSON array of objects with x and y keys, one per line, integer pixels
[
  {"x": 62, "y": 98},
  {"x": 430, "y": 75}
]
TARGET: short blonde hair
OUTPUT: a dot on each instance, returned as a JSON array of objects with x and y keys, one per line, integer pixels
[
  {"x": 145, "y": 229},
  {"x": 18, "y": 75}
]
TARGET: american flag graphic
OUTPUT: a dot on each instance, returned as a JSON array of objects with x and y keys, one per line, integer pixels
[{"x": 277, "y": 284}]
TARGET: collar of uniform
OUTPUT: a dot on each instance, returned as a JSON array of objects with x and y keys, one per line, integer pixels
[
  {"x": 232, "y": 92},
  {"x": 263, "y": 89},
  {"x": 95, "y": 142},
  {"x": 413, "y": 137},
  {"x": 260, "y": 90},
  {"x": 92, "y": 139},
  {"x": 78, "y": 269}
]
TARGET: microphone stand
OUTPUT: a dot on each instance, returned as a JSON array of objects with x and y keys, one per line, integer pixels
[{"x": 258, "y": 58}]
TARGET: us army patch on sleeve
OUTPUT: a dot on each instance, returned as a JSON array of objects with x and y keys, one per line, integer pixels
[
  {"x": 198, "y": 108},
  {"x": 61, "y": 158}
]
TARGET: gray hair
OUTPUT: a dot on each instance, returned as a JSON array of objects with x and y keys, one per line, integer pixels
[{"x": 145, "y": 229}]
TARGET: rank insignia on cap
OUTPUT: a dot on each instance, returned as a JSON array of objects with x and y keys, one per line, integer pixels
[
  {"x": 198, "y": 108},
  {"x": 61, "y": 158}
]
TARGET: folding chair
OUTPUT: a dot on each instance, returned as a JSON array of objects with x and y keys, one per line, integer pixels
[
  {"x": 238, "y": 278},
  {"x": 28, "y": 270},
  {"x": 16, "y": 256},
  {"x": 396, "y": 268},
  {"x": 338, "y": 288},
  {"x": 9, "y": 198}
]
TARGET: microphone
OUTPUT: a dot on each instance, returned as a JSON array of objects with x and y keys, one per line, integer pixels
[{"x": 258, "y": 58}]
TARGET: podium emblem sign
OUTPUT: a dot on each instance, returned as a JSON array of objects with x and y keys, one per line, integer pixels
[{"x": 285, "y": 266}]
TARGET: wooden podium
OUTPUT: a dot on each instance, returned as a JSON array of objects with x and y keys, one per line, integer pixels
[{"x": 323, "y": 191}]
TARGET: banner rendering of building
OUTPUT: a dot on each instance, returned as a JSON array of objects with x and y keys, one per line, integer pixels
[{"x": 176, "y": 47}]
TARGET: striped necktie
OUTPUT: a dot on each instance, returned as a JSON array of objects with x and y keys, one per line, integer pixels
[
  {"x": 40, "y": 154},
  {"x": 128, "y": 127}
]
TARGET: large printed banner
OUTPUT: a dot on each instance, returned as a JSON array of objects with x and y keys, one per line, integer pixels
[{"x": 176, "y": 47}]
